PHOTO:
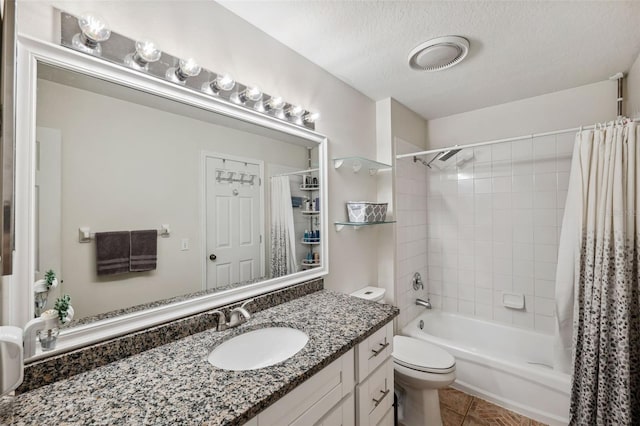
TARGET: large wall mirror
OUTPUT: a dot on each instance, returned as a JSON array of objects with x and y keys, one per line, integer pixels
[{"x": 112, "y": 153}]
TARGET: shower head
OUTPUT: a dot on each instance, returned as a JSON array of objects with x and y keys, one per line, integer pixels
[{"x": 448, "y": 154}]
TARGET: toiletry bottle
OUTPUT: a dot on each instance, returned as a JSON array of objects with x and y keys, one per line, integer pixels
[
  {"x": 313, "y": 205},
  {"x": 306, "y": 235}
]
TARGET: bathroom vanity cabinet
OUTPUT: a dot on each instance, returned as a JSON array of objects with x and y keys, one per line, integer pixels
[
  {"x": 356, "y": 389},
  {"x": 343, "y": 376}
]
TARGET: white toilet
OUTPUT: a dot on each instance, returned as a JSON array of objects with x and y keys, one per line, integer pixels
[{"x": 420, "y": 369}]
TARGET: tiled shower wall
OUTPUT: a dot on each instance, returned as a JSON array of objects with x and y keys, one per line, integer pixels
[
  {"x": 411, "y": 216},
  {"x": 493, "y": 223}
]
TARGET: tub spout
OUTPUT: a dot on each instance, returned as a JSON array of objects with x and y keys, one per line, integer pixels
[{"x": 425, "y": 303}]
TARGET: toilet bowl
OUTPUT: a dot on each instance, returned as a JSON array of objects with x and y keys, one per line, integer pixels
[{"x": 420, "y": 369}]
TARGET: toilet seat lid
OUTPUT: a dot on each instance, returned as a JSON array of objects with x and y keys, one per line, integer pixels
[{"x": 423, "y": 356}]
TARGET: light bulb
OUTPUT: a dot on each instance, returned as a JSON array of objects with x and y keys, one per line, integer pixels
[
  {"x": 311, "y": 117},
  {"x": 275, "y": 102},
  {"x": 224, "y": 82},
  {"x": 186, "y": 68},
  {"x": 252, "y": 93},
  {"x": 94, "y": 30},
  {"x": 295, "y": 111},
  {"x": 146, "y": 52}
]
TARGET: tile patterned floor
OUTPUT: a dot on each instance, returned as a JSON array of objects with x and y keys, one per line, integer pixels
[{"x": 460, "y": 409}]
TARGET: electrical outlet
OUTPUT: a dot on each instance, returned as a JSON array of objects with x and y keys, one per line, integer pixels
[{"x": 184, "y": 245}]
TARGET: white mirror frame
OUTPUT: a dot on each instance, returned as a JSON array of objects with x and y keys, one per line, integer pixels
[{"x": 30, "y": 53}]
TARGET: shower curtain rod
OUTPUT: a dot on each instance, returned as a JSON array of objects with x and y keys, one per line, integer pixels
[
  {"x": 300, "y": 172},
  {"x": 517, "y": 138}
]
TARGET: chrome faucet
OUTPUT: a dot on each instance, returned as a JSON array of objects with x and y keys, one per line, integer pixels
[
  {"x": 239, "y": 315},
  {"x": 425, "y": 303}
]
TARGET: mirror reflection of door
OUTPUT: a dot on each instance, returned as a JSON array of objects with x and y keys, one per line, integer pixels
[
  {"x": 234, "y": 220},
  {"x": 48, "y": 200}
]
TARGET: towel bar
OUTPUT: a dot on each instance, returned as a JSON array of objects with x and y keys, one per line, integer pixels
[{"x": 85, "y": 235}]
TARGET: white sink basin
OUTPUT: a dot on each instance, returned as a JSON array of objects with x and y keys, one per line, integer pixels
[{"x": 258, "y": 349}]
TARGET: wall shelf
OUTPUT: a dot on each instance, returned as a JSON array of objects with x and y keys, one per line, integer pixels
[
  {"x": 309, "y": 187},
  {"x": 357, "y": 163},
  {"x": 307, "y": 264},
  {"x": 311, "y": 212},
  {"x": 311, "y": 242},
  {"x": 357, "y": 225}
]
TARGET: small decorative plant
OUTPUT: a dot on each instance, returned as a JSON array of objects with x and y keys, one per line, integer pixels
[
  {"x": 64, "y": 308},
  {"x": 50, "y": 279}
]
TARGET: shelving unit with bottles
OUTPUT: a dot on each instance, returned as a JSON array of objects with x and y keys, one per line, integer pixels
[
  {"x": 356, "y": 164},
  {"x": 311, "y": 209}
]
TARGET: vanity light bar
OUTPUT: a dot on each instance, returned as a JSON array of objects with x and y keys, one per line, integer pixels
[{"x": 90, "y": 34}]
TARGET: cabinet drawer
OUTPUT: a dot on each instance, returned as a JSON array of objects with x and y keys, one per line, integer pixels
[
  {"x": 373, "y": 351},
  {"x": 375, "y": 396},
  {"x": 310, "y": 401}
]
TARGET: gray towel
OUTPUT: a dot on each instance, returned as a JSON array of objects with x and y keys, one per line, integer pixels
[
  {"x": 144, "y": 250},
  {"x": 112, "y": 252}
]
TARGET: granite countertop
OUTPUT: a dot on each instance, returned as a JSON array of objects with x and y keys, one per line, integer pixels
[{"x": 175, "y": 384}]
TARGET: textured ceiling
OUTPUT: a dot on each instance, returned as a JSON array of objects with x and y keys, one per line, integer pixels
[{"x": 518, "y": 49}]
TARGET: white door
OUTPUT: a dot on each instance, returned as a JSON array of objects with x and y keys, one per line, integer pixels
[
  {"x": 48, "y": 200},
  {"x": 233, "y": 221}
]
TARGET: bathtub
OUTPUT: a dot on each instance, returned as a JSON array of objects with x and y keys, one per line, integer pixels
[{"x": 505, "y": 365}]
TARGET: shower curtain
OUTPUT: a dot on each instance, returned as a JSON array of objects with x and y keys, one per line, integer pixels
[
  {"x": 597, "y": 290},
  {"x": 283, "y": 244}
]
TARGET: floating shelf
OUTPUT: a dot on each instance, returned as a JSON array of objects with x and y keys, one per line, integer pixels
[
  {"x": 357, "y": 225},
  {"x": 309, "y": 187},
  {"x": 311, "y": 242},
  {"x": 357, "y": 163}
]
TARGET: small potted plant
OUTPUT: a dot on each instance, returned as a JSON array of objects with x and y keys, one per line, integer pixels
[
  {"x": 41, "y": 290},
  {"x": 61, "y": 314}
]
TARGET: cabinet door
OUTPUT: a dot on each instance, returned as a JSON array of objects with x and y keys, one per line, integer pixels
[
  {"x": 314, "y": 398},
  {"x": 375, "y": 395},
  {"x": 374, "y": 350},
  {"x": 343, "y": 415}
]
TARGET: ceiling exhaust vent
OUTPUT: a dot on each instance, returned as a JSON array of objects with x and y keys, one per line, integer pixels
[{"x": 439, "y": 53}]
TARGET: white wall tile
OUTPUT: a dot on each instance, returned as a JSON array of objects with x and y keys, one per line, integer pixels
[
  {"x": 466, "y": 307},
  {"x": 483, "y": 311},
  {"x": 501, "y": 184},
  {"x": 501, "y": 151},
  {"x": 544, "y": 306},
  {"x": 523, "y": 319},
  {"x": 546, "y": 182},
  {"x": 522, "y": 150},
  {"x": 482, "y": 154},
  {"x": 545, "y": 200},
  {"x": 545, "y": 288},
  {"x": 502, "y": 314},
  {"x": 482, "y": 170},
  {"x": 545, "y": 324},
  {"x": 482, "y": 186},
  {"x": 450, "y": 304},
  {"x": 523, "y": 183}
]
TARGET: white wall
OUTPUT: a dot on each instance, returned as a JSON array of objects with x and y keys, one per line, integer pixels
[
  {"x": 411, "y": 241},
  {"x": 398, "y": 130},
  {"x": 126, "y": 167},
  {"x": 222, "y": 41},
  {"x": 554, "y": 111},
  {"x": 632, "y": 94}
]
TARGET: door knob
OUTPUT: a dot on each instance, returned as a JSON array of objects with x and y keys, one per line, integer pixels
[{"x": 212, "y": 257}]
